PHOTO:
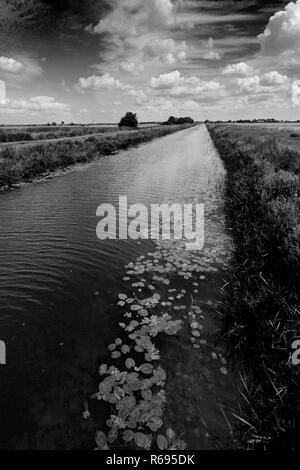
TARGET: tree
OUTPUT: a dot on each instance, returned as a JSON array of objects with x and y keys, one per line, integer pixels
[{"x": 129, "y": 120}]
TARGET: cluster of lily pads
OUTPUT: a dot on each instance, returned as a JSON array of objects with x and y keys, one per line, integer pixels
[
  {"x": 137, "y": 390},
  {"x": 134, "y": 388}
]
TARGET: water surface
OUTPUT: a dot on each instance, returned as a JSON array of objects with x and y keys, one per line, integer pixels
[{"x": 59, "y": 283}]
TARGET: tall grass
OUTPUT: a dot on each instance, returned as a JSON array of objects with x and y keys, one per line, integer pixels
[
  {"x": 24, "y": 163},
  {"x": 261, "y": 317},
  {"x": 43, "y": 133}
]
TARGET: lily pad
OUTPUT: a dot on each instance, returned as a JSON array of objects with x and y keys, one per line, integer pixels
[
  {"x": 129, "y": 363},
  {"x": 125, "y": 349},
  {"x": 162, "y": 442}
]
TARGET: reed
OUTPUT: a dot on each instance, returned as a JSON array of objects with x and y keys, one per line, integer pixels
[{"x": 260, "y": 307}]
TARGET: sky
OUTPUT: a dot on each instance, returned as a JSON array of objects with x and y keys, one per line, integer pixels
[{"x": 93, "y": 60}]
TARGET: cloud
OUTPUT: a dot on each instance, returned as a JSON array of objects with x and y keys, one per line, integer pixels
[
  {"x": 167, "y": 51},
  {"x": 296, "y": 93},
  {"x": 273, "y": 78},
  {"x": 130, "y": 18},
  {"x": 141, "y": 97},
  {"x": 211, "y": 53},
  {"x": 238, "y": 69},
  {"x": 166, "y": 81},
  {"x": 176, "y": 86},
  {"x": 98, "y": 83},
  {"x": 268, "y": 83},
  {"x": 2, "y": 92},
  {"x": 248, "y": 85},
  {"x": 10, "y": 65},
  {"x": 131, "y": 67},
  {"x": 283, "y": 31},
  {"x": 35, "y": 104}
]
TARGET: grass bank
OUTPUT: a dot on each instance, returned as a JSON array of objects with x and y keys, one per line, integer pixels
[
  {"x": 32, "y": 134},
  {"x": 261, "y": 299},
  {"x": 25, "y": 163}
]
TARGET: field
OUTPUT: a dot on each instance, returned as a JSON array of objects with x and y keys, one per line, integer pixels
[
  {"x": 261, "y": 299},
  {"x": 285, "y": 134},
  {"x": 23, "y": 162},
  {"x": 35, "y": 133}
]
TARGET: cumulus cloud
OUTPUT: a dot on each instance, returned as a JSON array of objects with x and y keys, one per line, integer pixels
[
  {"x": 283, "y": 31},
  {"x": 130, "y": 18},
  {"x": 167, "y": 51},
  {"x": 35, "y": 104},
  {"x": 166, "y": 81},
  {"x": 10, "y": 65},
  {"x": 296, "y": 93},
  {"x": 267, "y": 83},
  {"x": 238, "y": 69},
  {"x": 102, "y": 82},
  {"x": 173, "y": 84},
  {"x": 273, "y": 78}
]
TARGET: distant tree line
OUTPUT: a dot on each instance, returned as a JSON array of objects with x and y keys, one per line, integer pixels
[
  {"x": 181, "y": 120},
  {"x": 253, "y": 121}
]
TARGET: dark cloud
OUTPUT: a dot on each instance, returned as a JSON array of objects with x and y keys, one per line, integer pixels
[
  {"x": 225, "y": 7},
  {"x": 56, "y": 22}
]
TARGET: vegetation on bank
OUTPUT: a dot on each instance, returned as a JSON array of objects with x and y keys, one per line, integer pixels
[
  {"x": 25, "y": 163},
  {"x": 261, "y": 299},
  {"x": 30, "y": 134}
]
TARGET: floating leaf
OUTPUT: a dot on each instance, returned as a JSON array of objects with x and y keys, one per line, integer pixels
[
  {"x": 118, "y": 342},
  {"x": 112, "y": 347},
  {"x": 162, "y": 442},
  {"x": 130, "y": 363},
  {"x": 170, "y": 435},
  {"x": 135, "y": 308},
  {"x": 128, "y": 435},
  {"x": 115, "y": 355},
  {"x": 101, "y": 440},
  {"x": 147, "y": 394},
  {"x": 112, "y": 435},
  {"x": 143, "y": 312},
  {"x": 105, "y": 387},
  {"x": 196, "y": 334},
  {"x": 142, "y": 440},
  {"x": 146, "y": 369},
  {"x": 122, "y": 296},
  {"x": 103, "y": 369},
  {"x": 125, "y": 349},
  {"x": 155, "y": 424}
]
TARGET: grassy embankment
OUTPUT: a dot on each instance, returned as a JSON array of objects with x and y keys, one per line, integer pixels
[
  {"x": 261, "y": 300},
  {"x": 30, "y": 134},
  {"x": 26, "y": 163}
]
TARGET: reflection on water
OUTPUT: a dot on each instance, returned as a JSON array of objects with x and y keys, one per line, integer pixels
[{"x": 58, "y": 282}]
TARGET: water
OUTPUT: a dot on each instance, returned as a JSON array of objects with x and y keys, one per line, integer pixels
[{"x": 59, "y": 283}]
